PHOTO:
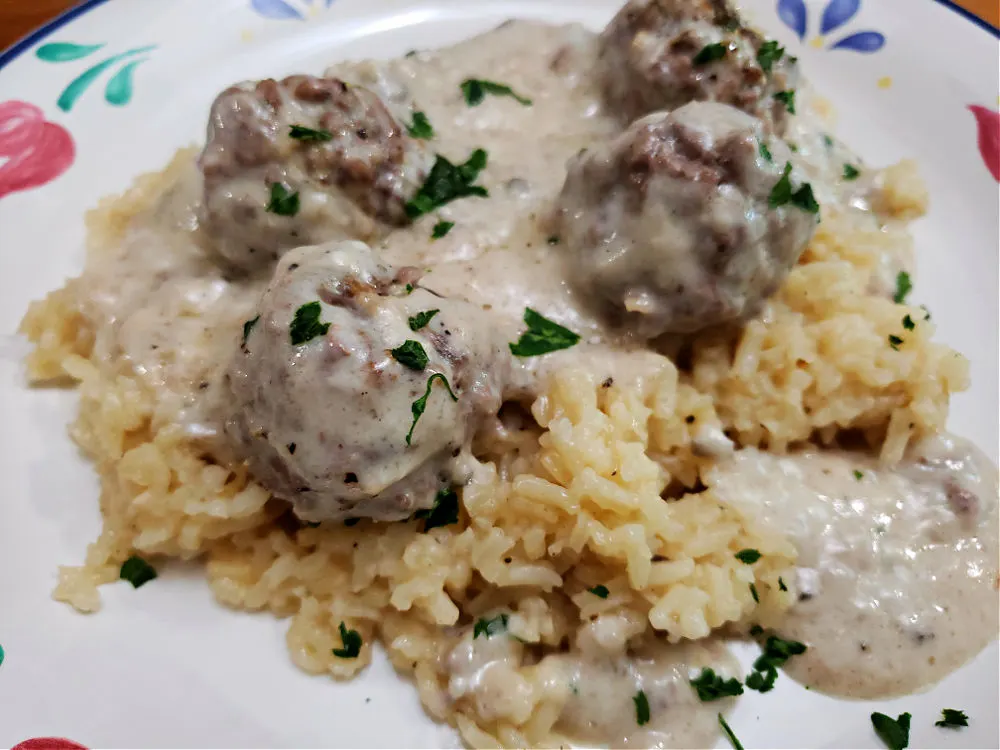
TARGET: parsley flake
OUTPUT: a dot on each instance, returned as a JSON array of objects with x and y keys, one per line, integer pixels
[
  {"x": 247, "y": 327},
  {"x": 710, "y": 53},
  {"x": 851, "y": 172},
  {"x": 421, "y": 319},
  {"x": 553, "y": 239},
  {"x": 137, "y": 571},
  {"x": 641, "y": 708},
  {"x": 443, "y": 513},
  {"x": 895, "y": 342},
  {"x": 305, "y": 325},
  {"x": 765, "y": 152},
  {"x": 490, "y": 628},
  {"x": 903, "y": 287},
  {"x": 600, "y": 591},
  {"x": 418, "y": 407},
  {"x": 777, "y": 651},
  {"x": 827, "y": 140},
  {"x": 447, "y": 182},
  {"x": 788, "y": 99},
  {"x": 754, "y": 594},
  {"x": 542, "y": 337},
  {"x": 283, "y": 202},
  {"x": 409, "y": 288},
  {"x": 352, "y": 643},
  {"x": 768, "y": 54},
  {"x": 783, "y": 194},
  {"x": 908, "y": 323},
  {"x": 781, "y": 584},
  {"x": 895, "y": 733},
  {"x": 858, "y": 475},
  {"x": 441, "y": 229},
  {"x": 748, "y": 556},
  {"x": 301, "y": 133},
  {"x": 411, "y": 354},
  {"x": 729, "y": 734},
  {"x": 421, "y": 127},
  {"x": 951, "y": 717},
  {"x": 475, "y": 90},
  {"x": 803, "y": 198},
  {"x": 711, "y": 687}
]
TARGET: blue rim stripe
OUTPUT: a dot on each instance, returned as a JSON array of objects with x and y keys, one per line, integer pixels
[
  {"x": 12, "y": 52},
  {"x": 58, "y": 22}
]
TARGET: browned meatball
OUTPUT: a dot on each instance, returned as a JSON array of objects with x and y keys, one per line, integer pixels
[
  {"x": 344, "y": 167},
  {"x": 661, "y": 54},
  {"x": 686, "y": 220}
]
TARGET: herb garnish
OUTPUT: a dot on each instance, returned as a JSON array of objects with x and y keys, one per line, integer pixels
[
  {"x": 409, "y": 288},
  {"x": 895, "y": 733},
  {"x": 748, "y": 556},
  {"x": 908, "y": 323},
  {"x": 729, "y": 734},
  {"x": 136, "y": 571},
  {"x": 447, "y": 182},
  {"x": 765, "y": 152},
  {"x": 781, "y": 584},
  {"x": 788, "y": 99},
  {"x": 827, "y": 140},
  {"x": 421, "y": 127},
  {"x": 542, "y": 337},
  {"x": 418, "y": 407},
  {"x": 710, "y": 53},
  {"x": 782, "y": 193},
  {"x": 476, "y": 89},
  {"x": 301, "y": 133},
  {"x": 411, "y": 354},
  {"x": 352, "y": 643},
  {"x": 858, "y": 475},
  {"x": 553, "y": 239},
  {"x": 283, "y": 202},
  {"x": 247, "y": 327},
  {"x": 903, "y": 287},
  {"x": 951, "y": 717},
  {"x": 600, "y": 591},
  {"x": 768, "y": 54},
  {"x": 441, "y": 229},
  {"x": 490, "y": 628},
  {"x": 711, "y": 687},
  {"x": 851, "y": 172},
  {"x": 777, "y": 651},
  {"x": 305, "y": 325},
  {"x": 895, "y": 342},
  {"x": 421, "y": 319},
  {"x": 754, "y": 594},
  {"x": 641, "y": 708},
  {"x": 444, "y": 512}
]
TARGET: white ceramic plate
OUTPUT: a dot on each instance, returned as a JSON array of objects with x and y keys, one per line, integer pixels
[{"x": 166, "y": 666}]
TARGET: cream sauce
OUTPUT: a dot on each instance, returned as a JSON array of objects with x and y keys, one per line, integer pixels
[{"x": 897, "y": 569}]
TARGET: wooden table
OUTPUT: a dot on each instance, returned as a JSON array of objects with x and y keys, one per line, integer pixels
[{"x": 18, "y": 17}]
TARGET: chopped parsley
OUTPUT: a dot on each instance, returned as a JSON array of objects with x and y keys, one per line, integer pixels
[
  {"x": 475, "y": 90},
  {"x": 908, "y": 323},
  {"x": 447, "y": 182},
  {"x": 858, "y": 475},
  {"x": 247, "y": 327},
  {"x": 729, "y": 734},
  {"x": 895, "y": 342},
  {"x": 756, "y": 630},
  {"x": 748, "y": 556},
  {"x": 765, "y": 152},
  {"x": 411, "y": 354},
  {"x": 895, "y": 733},
  {"x": 301, "y": 133},
  {"x": 490, "y": 628},
  {"x": 754, "y": 594},
  {"x": 788, "y": 99},
  {"x": 409, "y": 288},
  {"x": 781, "y": 584},
  {"x": 136, "y": 571},
  {"x": 762, "y": 682},
  {"x": 421, "y": 127},
  {"x": 710, "y": 53},
  {"x": 768, "y": 54},
  {"x": 421, "y": 319},
  {"x": 851, "y": 172},
  {"x": 827, "y": 140},
  {"x": 950, "y": 717},
  {"x": 419, "y": 406},
  {"x": 542, "y": 337},
  {"x": 711, "y": 687},
  {"x": 441, "y": 229},
  {"x": 777, "y": 651},
  {"x": 783, "y": 193},
  {"x": 283, "y": 202},
  {"x": 352, "y": 643},
  {"x": 803, "y": 198},
  {"x": 305, "y": 325},
  {"x": 553, "y": 239},
  {"x": 444, "y": 512},
  {"x": 927, "y": 313},
  {"x": 641, "y": 708},
  {"x": 903, "y": 287},
  {"x": 600, "y": 591}
]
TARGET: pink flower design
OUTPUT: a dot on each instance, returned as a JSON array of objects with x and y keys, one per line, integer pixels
[
  {"x": 989, "y": 137},
  {"x": 37, "y": 151}
]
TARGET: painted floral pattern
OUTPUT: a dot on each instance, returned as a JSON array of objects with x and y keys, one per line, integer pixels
[
  {"x": 836, "y": 14},
  {"x": 284, "y": 9},
  {"x": 988, "y": 125},
  {"x": 48, "y": 743},
  {"x": 36, "y": 150},
  {"x": 118, "y": 89}
]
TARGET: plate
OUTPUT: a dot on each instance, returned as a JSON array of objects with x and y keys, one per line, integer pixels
[{"x": 120, "y": 85}]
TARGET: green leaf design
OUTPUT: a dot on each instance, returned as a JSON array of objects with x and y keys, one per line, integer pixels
[
  {"x": 72, "y": 92},
  {"x": 58, "y": 52},
  {"x": 118, "y": 92}
]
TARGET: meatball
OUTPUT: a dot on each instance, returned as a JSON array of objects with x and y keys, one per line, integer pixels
[
  {"x": 685, "y": 220},
  {"x": 336, "y": 148},
  {"x": 325, "y": 384},
  {"x": 661, "y": 54}
]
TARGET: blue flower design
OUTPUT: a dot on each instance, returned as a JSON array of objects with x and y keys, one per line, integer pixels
[
  {"x": 284, "y": 9},
  {"x": 837, "y": 13}
]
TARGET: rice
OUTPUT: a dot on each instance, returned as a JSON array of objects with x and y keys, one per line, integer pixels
[{"x": 603, "y": 489}]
